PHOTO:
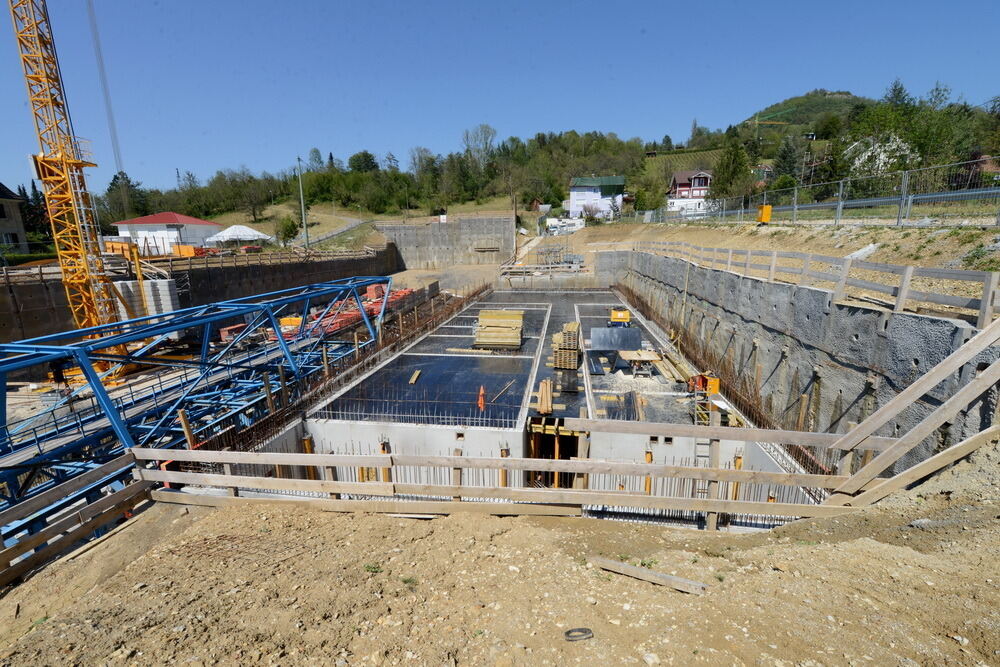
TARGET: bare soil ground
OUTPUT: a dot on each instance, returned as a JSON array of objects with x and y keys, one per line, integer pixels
[
  {"x": 911, "y": 581},
  {"x": 952, "y": 248},
  {"x": 897, "y": 245}
]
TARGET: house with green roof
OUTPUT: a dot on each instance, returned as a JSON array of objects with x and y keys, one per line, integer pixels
[{"x": 601, "y": 194}]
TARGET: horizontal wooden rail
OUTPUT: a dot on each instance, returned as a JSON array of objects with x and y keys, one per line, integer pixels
[
  {"x": 67, "y": 532},
  {"x": 459, "y": 491},
  {"x": 375, "y": 506},
  {"x": 805, "y": 270},
  {"x": 57, "y": 493},
  {"x": 803, "y": 438},
  {"x": 393, "y": 460},
  {"x": 546, "y": 496}
]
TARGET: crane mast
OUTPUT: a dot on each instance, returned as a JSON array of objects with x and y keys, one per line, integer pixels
[{"x": 59, "y": 166}]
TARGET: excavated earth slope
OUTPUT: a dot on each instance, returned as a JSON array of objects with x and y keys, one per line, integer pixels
[{"x": 911, "y": 581}]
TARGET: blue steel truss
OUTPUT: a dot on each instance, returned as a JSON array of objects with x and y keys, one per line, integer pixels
[{"x": 220, "y": 384}]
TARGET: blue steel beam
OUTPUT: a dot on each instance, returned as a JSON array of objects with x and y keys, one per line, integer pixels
[{"x": 234, "y": 394}]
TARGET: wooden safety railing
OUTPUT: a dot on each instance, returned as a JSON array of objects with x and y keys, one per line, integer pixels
[
  {"x": 805, "y": 268},
  {"x": 30, "y": 548},
  {"x": 214, "y": 468}
]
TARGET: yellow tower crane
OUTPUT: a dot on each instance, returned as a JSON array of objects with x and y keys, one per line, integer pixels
[{"x": 59, "y": 166}]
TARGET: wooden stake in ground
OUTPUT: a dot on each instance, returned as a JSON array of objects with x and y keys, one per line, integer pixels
[{"x": 677, "y": 583}]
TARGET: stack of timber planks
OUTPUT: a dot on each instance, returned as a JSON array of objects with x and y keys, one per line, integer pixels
[
  {"x": 566, "y": 347},
  {"x": 499, "y": 329}
]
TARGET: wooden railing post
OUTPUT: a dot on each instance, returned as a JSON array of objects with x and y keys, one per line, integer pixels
[
  {"x": 386, "y": 473},
  {"x": 456, "y": 476},
  {"x": 649, "y": 478},
  {"x": 989, "y": 296},
  {"x": 330, "y": 475},
  {"x": 307, "y": 448},
  {"x": 804, "y": 276},
  {"x": 904, "y": 289},
  {"x": 269, "y": 397},
  {"x": 504, "y": 453},
  {"x": 227, "y": 470},
  {"x": 845, "y": 269},
  {"x": 186, "y": 427}
]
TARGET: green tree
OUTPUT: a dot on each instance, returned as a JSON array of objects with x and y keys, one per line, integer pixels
[
  {"x": 286, "y": 229},
  {"x": 789, "y": 158},
  {"x": 315, "y": 161},
  {"x": 828, "y": 126},
  {"x": 732, "y": 176},
  {"x": 896, "y": 95},
  {"x": 362, "y": 162},
  {"x": 123, "y": 199},
  {"x": 783, "y": 182},
  {"x": 34, "y": 214}
]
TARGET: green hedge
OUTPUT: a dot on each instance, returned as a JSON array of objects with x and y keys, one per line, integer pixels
[{"x": 21, "y": 258}]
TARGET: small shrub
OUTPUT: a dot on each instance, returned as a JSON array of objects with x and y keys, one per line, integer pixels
[
  {"x": 409, "y": 581},
  {"x": 373, "y": 568},
  {"x": 648, "y": 562}
]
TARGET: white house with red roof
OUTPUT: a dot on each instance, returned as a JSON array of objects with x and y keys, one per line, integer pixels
[{"x": 161, "y": 231}]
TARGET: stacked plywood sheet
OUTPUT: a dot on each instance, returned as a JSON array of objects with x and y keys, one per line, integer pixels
[
  {"x": 566, "y": 347},
  {"x": 499, "y": 329}
]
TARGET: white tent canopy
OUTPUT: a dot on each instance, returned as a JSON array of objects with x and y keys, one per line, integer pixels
[{"x": 237, "y": 233}]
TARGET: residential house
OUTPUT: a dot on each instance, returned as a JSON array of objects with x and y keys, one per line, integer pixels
[
  {"x": 12, "y": 236},
  {"x": 602, "y": 194},
  {"x": 158, "y": 233},
  {"x": 688, "y": 190},
  {"x": 691, "y": 184}
]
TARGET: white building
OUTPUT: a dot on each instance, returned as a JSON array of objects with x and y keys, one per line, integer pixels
[
  {"x": 604, "y": 194},
  {"x": 158, "y": 233}
]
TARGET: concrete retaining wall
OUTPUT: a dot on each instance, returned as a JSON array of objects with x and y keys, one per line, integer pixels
[
  {"x": 31, "y": 309},
  {"x": 207, "y": 285},
  {"x": 461, "y": 241}
]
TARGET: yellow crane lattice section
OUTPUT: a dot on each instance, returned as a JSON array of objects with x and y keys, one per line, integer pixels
[{"x": 59, "y": 166}]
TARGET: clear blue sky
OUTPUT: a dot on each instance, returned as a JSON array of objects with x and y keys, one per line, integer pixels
[{"x": 210, "y": 84}]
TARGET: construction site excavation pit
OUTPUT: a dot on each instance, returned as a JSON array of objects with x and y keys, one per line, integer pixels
[{"x": 443, "y": 396}]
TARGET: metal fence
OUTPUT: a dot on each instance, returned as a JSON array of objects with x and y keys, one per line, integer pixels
[{"x": 960, "y": 193}]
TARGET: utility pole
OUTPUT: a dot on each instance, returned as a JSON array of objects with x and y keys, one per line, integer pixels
[{"x": 302, "y": 204}]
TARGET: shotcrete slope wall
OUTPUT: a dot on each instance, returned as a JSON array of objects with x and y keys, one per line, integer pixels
[{"x": 792, "y": 342}]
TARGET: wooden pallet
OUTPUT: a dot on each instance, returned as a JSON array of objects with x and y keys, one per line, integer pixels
[{"x": 567, "y": 359}]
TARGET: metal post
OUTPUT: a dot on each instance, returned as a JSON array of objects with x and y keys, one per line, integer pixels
[
  {"x": 302, "y": 204},
  {"x": 795, "y": 204},
  {"x": 903, "y": 187},
  {"x": 840, "y": 203}
]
